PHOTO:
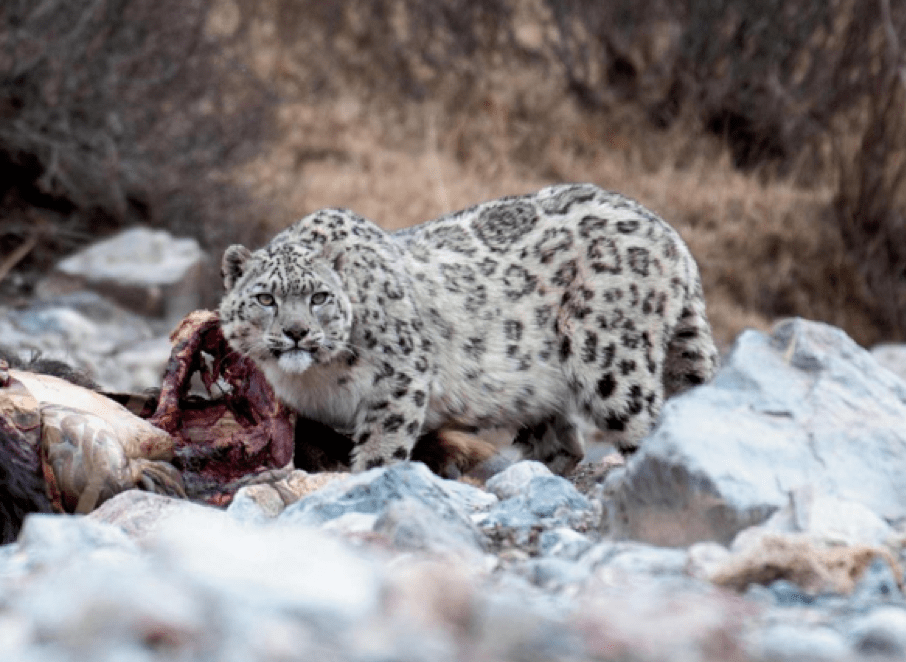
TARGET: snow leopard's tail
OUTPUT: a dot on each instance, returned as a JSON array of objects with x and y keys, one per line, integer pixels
[{"x": 692, "y": 357}]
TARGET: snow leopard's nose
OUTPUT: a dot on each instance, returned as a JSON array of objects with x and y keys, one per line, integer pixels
[{"x": 295, "y": 332}]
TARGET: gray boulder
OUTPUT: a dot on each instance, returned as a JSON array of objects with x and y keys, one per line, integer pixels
[
  {"x": 802, "y": 407},
  {"x": 145, "y": 270},
  {"x": 892, "y": 357},
  {"x": 546, "y": 501},
  {"x": 514, "y": 480},
  {"x": 408, "y": 504},
  {"x": 118, "y": 349},
  {"x": 409, "y": 524}
]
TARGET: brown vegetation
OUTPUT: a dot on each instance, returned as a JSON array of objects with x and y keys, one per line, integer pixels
[
  {"x": 771, "y": 134},
  {"x": 115, "y": 112}
]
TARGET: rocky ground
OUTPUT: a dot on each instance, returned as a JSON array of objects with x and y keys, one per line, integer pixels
[{"x": 763, "y": 519}]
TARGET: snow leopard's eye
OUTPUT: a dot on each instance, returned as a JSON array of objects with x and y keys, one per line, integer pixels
[
  {"x": 319, "y": 298},
  {"x": 265, "y": 299}
]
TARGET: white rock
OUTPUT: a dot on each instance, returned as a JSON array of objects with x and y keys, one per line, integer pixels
[
  {"x": 829, "y": 520},
  {"x": 148, "y": 271},
  {"x": 285, "y": 567},
  {"x": 882, "y": 632},
  {"x": 409, "y": 524},
  {"x": 563, "y": 542},
  {"x": 892, "y": 357},
  {"x": 351, "y": 523},
  {"x": 617, "y": 563},
  {"x": 371, "y": 492},
  {"x": 49, "y": 540},
  {"x": 514, "y": 480},
  {"x": 798, "y": 643},
  {"x": 805, "y": 406},
  {"x": 256, "y": 504},
  {"x": 143, "y": 362},
  {"x": 118, "y": 349},
  {"x": 704, "y": 558}
]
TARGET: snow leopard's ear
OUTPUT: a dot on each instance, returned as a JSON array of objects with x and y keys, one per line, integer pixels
[
  {"x": 233, "y": 264},
  {"x": 332, "y": 255},
  {"x": 339, "y": 261}
]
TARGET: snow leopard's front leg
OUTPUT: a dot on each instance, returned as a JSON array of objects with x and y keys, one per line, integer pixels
[{"x": 389, "y": 422}]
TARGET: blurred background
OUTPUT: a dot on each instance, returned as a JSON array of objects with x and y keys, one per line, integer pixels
[{"x": 770, "y": 133}]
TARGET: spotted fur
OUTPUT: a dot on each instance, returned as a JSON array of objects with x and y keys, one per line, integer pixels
[{"x": 552, "y": 313}]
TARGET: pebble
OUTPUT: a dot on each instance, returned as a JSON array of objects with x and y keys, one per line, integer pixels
[
  {"x": 881, "y": 634},
  {"x": 878, "y": 585},
  {"x": 563, "y": 542},
  {"x": 256, "y": 504},
  {"x": 371, "y": 491},
  {"x": 788, "y": 594},
  {"x": 795, "y": 643},
  {"x": 514, "y": 480},
  {"x": 546, "y": 501},
  {"x": 411, "y": 525}
]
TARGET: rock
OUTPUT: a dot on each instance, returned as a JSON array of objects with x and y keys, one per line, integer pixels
[
  {"x": 625, "y": 562},
  {"x": 256, "y": 504},
  {"x": 650, "y": 622},
  {"x": 878, "y": 585},
  {"x": 399, "y": 564},
  {"x": 553, "y": 574},
  {"x": 409, "y": 524},
  {"x": 406, "y": 504},
  {"x": 881, "y": 634},
  {"x": 805, "y": 406},
  {"x": 797, "y": 643},
  {"x": 147, "y": 271},
  {"x": 473, "y": 499},
  {"x": 269, "y": 492},
  {"x": 545, "y": 496},
  {"x": 300, "y": 484},
  {"x": 100, "y": 607},
  {"x": 514, "y": 480},
  {"x": 428, "y": 604},
  {"x": 281, "y": 567},
  {"x": 352, "y": 525},
  {"x": 704, "y": 558},
  {"x": 891, "y": 357},
  {"x": 546, "y": 500},
  {"x": 372, "y": 492},
  {"x": 144, "y": 363},
  {"x": 140, "y": 514},
  {"x": 564, "y": 543},
  {"x": 49, "y": 540},
  {"x": 761, "y": 556},
  {"x": 90, "y": 333},
  {"x": 514, "y": 624},
  {"x": 201, "y": 587},
  {"x": 829, "y": 520},
  {"x": 787, "y": 594}
]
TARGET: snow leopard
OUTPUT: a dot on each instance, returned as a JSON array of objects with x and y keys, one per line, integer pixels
[{"x": 552, "y": 314}]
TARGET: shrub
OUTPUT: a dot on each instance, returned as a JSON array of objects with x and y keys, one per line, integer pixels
[
  {"x": 870, "y": 204},
  {"x": 117, "y": 111}
]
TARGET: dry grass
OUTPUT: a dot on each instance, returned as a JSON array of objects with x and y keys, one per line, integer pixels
[
  {"x": 403, "y": 125},
  {"x": 764, "y": 249},
  {"x": 406, "y": 109},
  {"x": 499, "y": 126}
]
